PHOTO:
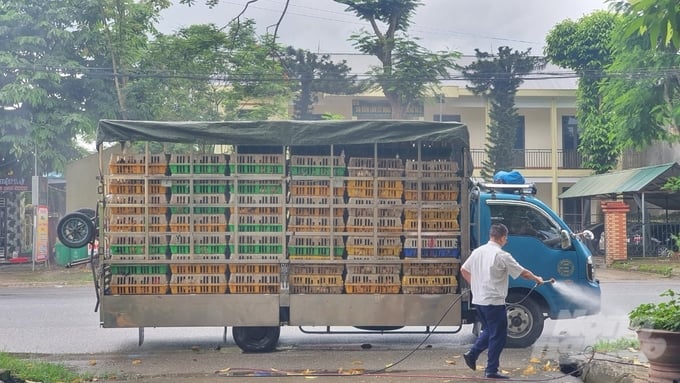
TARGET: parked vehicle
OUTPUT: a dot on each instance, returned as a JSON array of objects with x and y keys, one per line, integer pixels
[
  {"x": 325, "y": 223},
  {"x": 659, "y": 239}
]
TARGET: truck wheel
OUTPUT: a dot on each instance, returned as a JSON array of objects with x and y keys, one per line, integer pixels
[
  {"x": 75, "y": 230},
  {"x": 525, "y": 321},
  {"x": 256, "y": 339}
]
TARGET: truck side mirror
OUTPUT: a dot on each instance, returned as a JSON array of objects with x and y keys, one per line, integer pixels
[{"x": 565, "y": 240}]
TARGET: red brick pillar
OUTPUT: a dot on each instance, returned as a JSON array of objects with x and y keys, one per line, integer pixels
[{"x": 616, "y": 248}]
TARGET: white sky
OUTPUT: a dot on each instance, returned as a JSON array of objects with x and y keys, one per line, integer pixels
[{"x": 462, "y": 25}]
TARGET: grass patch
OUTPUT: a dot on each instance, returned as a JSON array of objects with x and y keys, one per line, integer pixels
[
  {"x": 609, "y": 345},
  {"x": 38, "y": 371},
  {"x": 654, "y": 268}
]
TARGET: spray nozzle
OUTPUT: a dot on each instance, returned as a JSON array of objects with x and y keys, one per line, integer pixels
[{"x": 551, "y": 280}]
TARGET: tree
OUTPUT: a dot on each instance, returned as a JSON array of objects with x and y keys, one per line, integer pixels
[
  {"x": 498, "y": 78},
  {"x": 642, "y": 93},
  {"x": 316, "y": 74},
  {"x": 204, "y": 73},
  {"x": 584, "y": 46},
  {"x": 408, "y": 71}
]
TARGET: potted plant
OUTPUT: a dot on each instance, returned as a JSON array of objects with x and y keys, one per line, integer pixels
[{"x": 658, "y": 329}]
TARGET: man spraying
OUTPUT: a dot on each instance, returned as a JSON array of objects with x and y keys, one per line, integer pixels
[{"x": 487, "y": 270}]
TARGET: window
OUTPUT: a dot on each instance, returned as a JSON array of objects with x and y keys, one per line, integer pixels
[
  {"x": 524, "y": 220},
  {"x": 381, "y": 109}
]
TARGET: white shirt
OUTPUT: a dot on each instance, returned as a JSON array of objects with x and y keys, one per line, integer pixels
[{"x": 489, "y": 267}]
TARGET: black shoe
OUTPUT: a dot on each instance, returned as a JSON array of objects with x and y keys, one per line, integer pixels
[
  {"x": 472, "y": 363},
  {"x": 496, "y": 375}
]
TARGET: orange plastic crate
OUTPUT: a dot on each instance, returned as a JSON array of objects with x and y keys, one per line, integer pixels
[
  {"x": 254, "y": 288},
  {"x": 254, "y": 268},
  {"x": 198, "y": 284},
  {"x": 196, "y": 268},
  {"x": 372, "y": 289}
]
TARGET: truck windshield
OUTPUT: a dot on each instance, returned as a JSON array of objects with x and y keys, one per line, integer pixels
[{"x": 525, "y": 220}]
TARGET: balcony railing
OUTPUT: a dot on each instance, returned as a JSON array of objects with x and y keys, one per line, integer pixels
[{"x": 535, "y": 159}]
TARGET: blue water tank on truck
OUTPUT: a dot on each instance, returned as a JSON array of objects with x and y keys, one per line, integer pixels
[{"x": 541, "y": 242}]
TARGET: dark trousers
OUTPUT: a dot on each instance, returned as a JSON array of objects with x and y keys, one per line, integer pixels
[{"x": 494, "y": 331}]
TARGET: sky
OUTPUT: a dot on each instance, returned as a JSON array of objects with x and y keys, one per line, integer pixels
[{"x": 323, "y": 26}]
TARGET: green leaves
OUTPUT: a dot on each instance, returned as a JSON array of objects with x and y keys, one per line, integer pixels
[{"x": 658, "y": 316}]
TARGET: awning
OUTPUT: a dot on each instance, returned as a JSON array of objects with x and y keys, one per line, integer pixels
[{"x": 647, "y": 180}]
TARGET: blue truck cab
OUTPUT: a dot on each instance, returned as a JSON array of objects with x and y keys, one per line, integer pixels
[{"x": 541, "y": 242}]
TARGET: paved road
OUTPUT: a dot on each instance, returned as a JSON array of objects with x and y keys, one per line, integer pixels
[{"x": 59, "y": 324}]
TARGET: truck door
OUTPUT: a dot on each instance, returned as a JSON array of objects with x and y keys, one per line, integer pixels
[{"x": 534, "y": 240}]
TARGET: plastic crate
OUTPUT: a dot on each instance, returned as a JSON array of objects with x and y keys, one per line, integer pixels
[
  {"x": 262, "y": 219},
  {"x": 138, "y": 269},
  {"x": 316, "y": 269},
  {"x": 137, "y": 164},
  {"x": 368, "y": 167},
  {"x": 315, "y": 211},
  {"x": 198, "y": 284},
  {"x": 209, "y": 199},
  {"x": 209, "y": 219},
  {"x": 365, "y": 246},
  {"x": 432, "y": 225},
  {"x": 136, "y": 210},
  {"x": 316, "y": 280},
  {"x": 431, "y": 269},
  {"x": 197, "y": 268},
  {"x": 258, "y": 228},
  {"x": 373, "y": 268},
  {"x": 431, "y": 191},
  {"x": 255, "y": 278},
  {"x": 312, "y": 247},
  {"x": 432, "y": 247},
  {"x": 431, "y": 169},
  {"x": 254, "y": 288},
  {"x": 260, "y": 244},
  {"x": 370, "y": 224},
  {"x": 317, "y": 165},
  {"x": 365, "y": 189},
  {"x": 260, "y": 210},
  {"x": 316, "y": 188},
  {"x": 260, "y": 163},
  {"x": 254, "y": 268},
  {"x": 143, "y": 284},
  {"x": 429, "y": 284},
  {"x": 313, "y": 201},
  {"x": 210, "y": 164},
  {"x": 260, "y": 187},
  {"x": 315, "y": 224},
  {"x": 212, "y": 187},
  {"x": 371, "y": 289},
  {"x": 264, "y": 199}
]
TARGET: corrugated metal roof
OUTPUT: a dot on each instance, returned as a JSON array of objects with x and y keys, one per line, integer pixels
[{"x": 646, "y": 179}]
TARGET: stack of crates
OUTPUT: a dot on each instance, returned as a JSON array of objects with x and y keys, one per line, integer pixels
[
  {"x": 315, "y": 206},
  {"x": 138, "y": 280},
  {"x": 135, "y": 207},
  {"x": 374, "y": 278},
  {"x": 198, "y": 278},
  {"x": 316, "y": 278},
  {"x": 430, "y": 278},
  {"x": 254, "y": 278},
  {"x": 260, "y": 224}
]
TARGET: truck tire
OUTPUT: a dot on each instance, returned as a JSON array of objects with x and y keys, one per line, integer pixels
[
  {"x": 525, "y": 321},
  {"x": 256, "y": 339},
  {"x": 75, "y": 230}
]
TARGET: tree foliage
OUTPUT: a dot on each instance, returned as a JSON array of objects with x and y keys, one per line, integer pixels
[
  {"x": 408, "y": 72},
  {"x": 315, "y": 74},
  {"x": 498, "y": 78},
  {"x": 584, "y": 46},
  {"x": 642, "y": 93}
]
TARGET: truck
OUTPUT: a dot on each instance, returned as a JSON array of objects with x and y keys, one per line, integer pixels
[{"x": 324, "y": 225}]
